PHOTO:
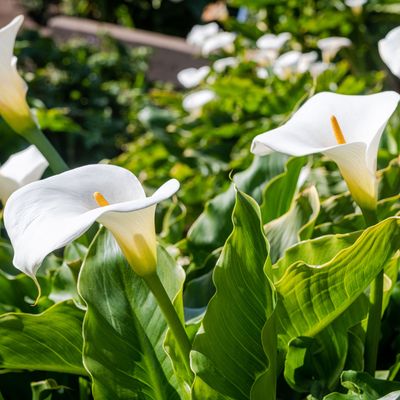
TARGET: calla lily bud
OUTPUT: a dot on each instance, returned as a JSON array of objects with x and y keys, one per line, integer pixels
[
  {"x": 20, "y": 169},
  {"x": 13, "y": 106},
  {"x": 389, "y": 50},
  {"x": 49, "y": 214},
  {"x": 345, "y": 128}
]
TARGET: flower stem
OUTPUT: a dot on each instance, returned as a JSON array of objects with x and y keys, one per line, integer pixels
[
  {"x": 37, "y": 137},
  {"x": 375, "y": 310},
  {"x": 174, "y": 323}
]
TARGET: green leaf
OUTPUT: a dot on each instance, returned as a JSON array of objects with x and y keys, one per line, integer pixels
[
  {"x": 278, "y": 194},
  {"x": 362, "y": 386},
  {"x": 213, "y": 226},
  {"x": 43, "y": 390},
  {"x": 310, "y": 297},
  {"x": 297, "y": 224},
  {"x": 234, "y": 350},
  {"x": 314, "y": 251},
  {"x": 124, "y": 329},
  {"x": 314, "y": 364},
  {"x": 51, "y": 341}
]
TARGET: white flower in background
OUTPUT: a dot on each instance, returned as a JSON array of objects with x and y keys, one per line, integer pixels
[
  {"x": 47, "y": 215},
  {"x": 13, "y": 106},
  {"x": 331, "y": 45},
  {"x": 306, "y": 60},
  {"x": 347, "y": 129},
  {"x": 317, "y": 68},
  {"x": 191, "y": 77},
  {"x": 220, "y": 41},
  {"x": 271, "y": 44},
  {"x": 223, "y": 63},
  {"x": 195, "y": 101},
  {"x": 287, "y": 64},
  {"x": 262, "y": 73},
  {"x": 199, "y": 33},
  {"x": 389, "y": 50},
  {"x": 20, "y": 169},
  {"x": 355, "y": 5}
]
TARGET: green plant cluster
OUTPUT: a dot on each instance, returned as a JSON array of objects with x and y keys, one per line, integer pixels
[{"x": 267, "y": 244}]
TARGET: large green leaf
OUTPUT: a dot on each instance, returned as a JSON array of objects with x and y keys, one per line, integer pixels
[
  {"x": 214, "y": 225},
  {"x": 362, "y": 386},
  {"x": 234, "y": 350},
  {"x": 124, "y": 329},
  {"x": 51, "y": 341},
  {"x": 310, "y": 297},
  {"x": 278, "y": 194},
  {"x": 295, "y": 225}
]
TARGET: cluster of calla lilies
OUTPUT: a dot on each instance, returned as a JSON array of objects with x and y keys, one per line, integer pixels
[{"x": 41, "y": 216}]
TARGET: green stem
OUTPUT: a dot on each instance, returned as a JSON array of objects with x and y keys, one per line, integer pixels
[
  {"x": 174, "y": 323},
  {"x": 36, "y": 137},
  {"x": 375, "y": 310}
]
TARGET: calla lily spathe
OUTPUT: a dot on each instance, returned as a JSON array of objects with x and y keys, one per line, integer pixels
[
  {"x": 352, "y": 141},
  {"x": 389, "y": 50},
  {"x": 20, "y": 169},
  {"x": 47, "y": 215},
  {"x": 13, "y": 106},
  {"x": 193, "y": 102},
  {"x": 199, "y": 33},
  {"x": 223, "y": 63},
  {"x": 331, "y": 45},
  {"x": 192, "y": 77},
  {"x": 219, "y": 41},
  {"x": 272, "y": 44}
]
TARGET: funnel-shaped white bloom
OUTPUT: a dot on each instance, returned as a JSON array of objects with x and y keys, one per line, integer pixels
[
  {"x": 306, "y": 60},
  {"x": 47, "y": 215},
  {"x": 331, "y": 45},
  {"x": 191, "y": 77},
  {"x": 318, "y": 68},
  {"x": 20, "y": 169},
  {"x": 355, "y": 5},
  {"x": 222, "y": 40},
  {"x": 389, "y": 50},
  {"x": 361, "y": 120},
  {"x": 273, "y": 43},
  {"x": 287, "y": 64},
  {"x": 199, "y": 33},
  {"x": 13, "y": 106},
  {"x": 195, "y": 101},
  {"x": 223, "y": 63}
]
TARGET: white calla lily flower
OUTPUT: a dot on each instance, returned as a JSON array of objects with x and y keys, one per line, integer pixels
[
  {"x": 199, "y": 33},
  {"x": 191, "y": 77},
  {"x": 287, "y": 64},
  {"x": 262, "y": 73},
  {"x": 223, "y": 63},
  {"x": 47, "y": 215},
  {"x": 317, "y": 68},
  {"x": 330, "y": 46},
  {"x": 272, "y": 44},
  {"x": 222, "y": 40},
  {"x": 306, "y": 60},
  {"x": 345, "y": 128},
  {"x": 21, "y": 168},
  {"x": 389, "y": 50},
  {"x": 196, "y": 100},
  {"x": 355, "y": 5},
  {"x": 13, "y": 106}
]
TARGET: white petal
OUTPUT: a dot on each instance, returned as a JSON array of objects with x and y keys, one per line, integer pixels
[
  {"x": 196, "y": 100},
  {"x": 306, "y": 60},
  {"x": 191, "y": 77},
  {"x": 7, "y": 40},
  {"x": 362, "y": 120},
  {"x": 223, "y": 63},
  {"x": 389, "y": 50},
  {"x": 199, "y": 33},
  {"x": 270, "y": 41},
  {"x": 222, "y": 40},
  {"x": 355, "y": 3},
  {"x": 333, "y": 43},
  {"x": 46, "y": 215},
  {"x": 20, "y": 169}
]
